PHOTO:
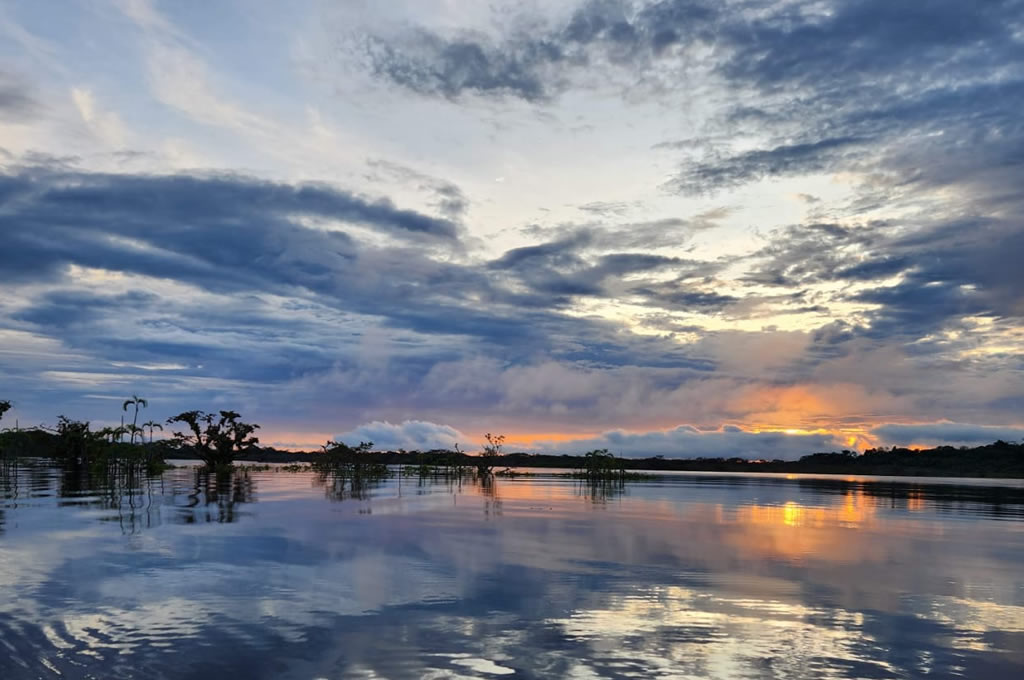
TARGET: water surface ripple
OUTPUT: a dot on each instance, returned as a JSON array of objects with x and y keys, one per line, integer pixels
[{"x": 274, "y": 574}]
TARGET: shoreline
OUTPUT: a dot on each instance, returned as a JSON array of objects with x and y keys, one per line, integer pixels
[{"x": 998, "y": 460}]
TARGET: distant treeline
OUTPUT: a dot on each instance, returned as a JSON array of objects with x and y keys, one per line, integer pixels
[{"x": 999, "y": 459}]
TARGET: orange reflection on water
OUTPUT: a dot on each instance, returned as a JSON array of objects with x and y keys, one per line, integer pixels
[
  {"x": 855, "y": 509},
  {"x": 916, "y": 502}
]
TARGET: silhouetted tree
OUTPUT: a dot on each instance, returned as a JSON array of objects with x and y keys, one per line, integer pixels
[
  {"x": 152, "y": 424},
  {"x": 5, "y": 406},
  {"x": 600, "y": 464},
  {"x": 136, "y": 401},
  {"x": 112, "y": 434},
  {"x": 75, "y": 441},
  {"x": 133, "y": 430},
  {"x": 488, "y": 458},
  {"x": 215, "y": 439}
]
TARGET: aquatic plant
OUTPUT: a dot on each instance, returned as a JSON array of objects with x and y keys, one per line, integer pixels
[
  {"x": 600, "y": 464},
  {"x": 215, "y": 440},
  {"x": 5, "y": 406},
  {"x": 76, "y": 445},
  {"x": 490, "y": 453},
  {"x": 355, "y": 460},
  {"x": 75, "y": 441},
  {"x": 454, "y": 465},
  {"x": 348, "y": 471},
  {"x": 135, "y": 401}
]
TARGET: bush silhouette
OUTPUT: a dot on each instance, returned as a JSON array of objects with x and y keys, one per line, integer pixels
[{"x": 215, "y": 439}]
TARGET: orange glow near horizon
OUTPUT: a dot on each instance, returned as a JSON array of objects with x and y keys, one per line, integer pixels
[{"x": 856, "y": 438}]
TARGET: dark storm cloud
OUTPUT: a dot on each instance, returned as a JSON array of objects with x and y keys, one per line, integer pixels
[
  {"x": 919, "y": 95},
  {"x": 955, "y": 273},
  {"x": 430, "y": 65},
  {"x": 682, "y": 297},
  {"x": 925, "y": 92},
  {"x": 919, "y": 276},
  {"x": 689, "y": 442},
  {"x": 754, "y": 165},
  {"x": 945, "y": 433},
  {"x": 810, "y": 253},
  {"x": 220, "y": 231},
  {"x": 814, "y": 43},
  {"x": 531, "y": 66},
  {"x": 221, "y": 234},
  {"x": 923, "y": 101},
  {"x": 235, "y": 293},
  {"x": 59, "y": 310},
  {"x": 574, "y": 266},
  {"x": 228, "y": 199},
  {"x": 563, "y": 252},
  {"x": 772, "y": 45}
]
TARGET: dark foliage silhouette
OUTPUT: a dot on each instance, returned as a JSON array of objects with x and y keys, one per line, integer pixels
[
  {"x": 135, "y": 401},
  {"x": 152, "y": 425},
  {"x": 216, "y": 439},
  {"x": 490, "y": 454}
]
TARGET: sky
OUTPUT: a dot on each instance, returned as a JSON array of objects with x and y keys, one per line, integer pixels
[{"x": 675, "y": 227}]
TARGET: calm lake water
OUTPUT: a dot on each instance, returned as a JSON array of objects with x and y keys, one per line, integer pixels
[{"x": 288, "y": 575}]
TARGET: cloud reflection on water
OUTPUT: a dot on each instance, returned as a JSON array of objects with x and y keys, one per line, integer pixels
[{"x": 696, "y": 577}]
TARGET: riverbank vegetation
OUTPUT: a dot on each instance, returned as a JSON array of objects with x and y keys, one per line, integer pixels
[{"x": 218, "y": 440}]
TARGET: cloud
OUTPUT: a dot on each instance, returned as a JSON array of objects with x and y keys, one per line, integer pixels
[
  {"x": 17, "y": 103},
  {"x": 894, "y": 295},
  {"x": 217, "y": 228},
  {"x": 689, "y": 442},
  {"x": 531, "y": 64},
  {"x": 937, "y": 434},
  {"x": 676, "y": 295},
  {"x": 450, "y": 200},
  {"x": 304, "y": 289},
  {"x": 430, "y": 65},
  {"x": 862, "y": 41},
  {"x": 732, "y": 171},
  {"x": 578, "y": 264},
  {"x": 411, "y": 435}
]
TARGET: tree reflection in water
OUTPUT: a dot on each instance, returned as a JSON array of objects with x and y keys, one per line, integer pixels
[
  {"x": 696, "y": 576},
  {"x": 216, "y": 495},
  {"x": 489, "y": 490},
  {"x": 599, "y": 491},
  {"x": 8, "y": 486}
]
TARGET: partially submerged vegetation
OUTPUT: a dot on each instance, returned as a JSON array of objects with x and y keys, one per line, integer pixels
[
  {"x": 215, "y": 439},
  {"x": 218, "y": 440},
  {"x": 600, "y": 465}
]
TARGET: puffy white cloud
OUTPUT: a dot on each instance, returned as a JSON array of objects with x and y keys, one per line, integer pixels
[{"x": 410, "y": 434}]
